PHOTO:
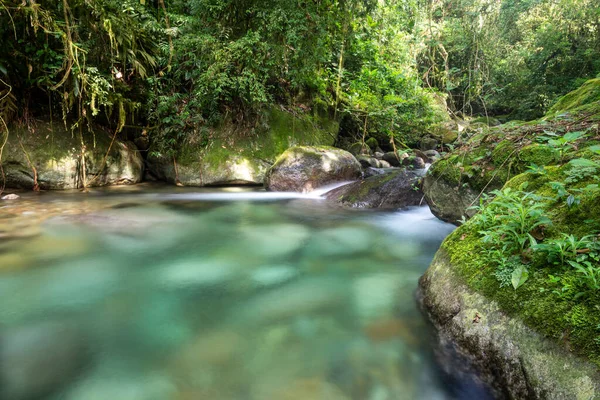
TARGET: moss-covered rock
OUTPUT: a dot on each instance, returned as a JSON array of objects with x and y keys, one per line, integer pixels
[
  {"x": 396, "y": 189},
  {"x": 305, "y": 168},
  {"x": 514, "y": 359},
  {"x": 583, "y": 100},
  {"x": 491, "y": 156},
  {"x": 528, "y": 337},
  {"x": 50, "y": 155},
  {"x": 226, "y": 155}
]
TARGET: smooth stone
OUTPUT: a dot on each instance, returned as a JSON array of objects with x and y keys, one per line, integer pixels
[
  {"x": 275, "y": 240},
  {"x": 306, "y": 168},
  {"x": 11, "y": 196},
  {"x": 153, "y": 386},
  {"x": 378, "y": 295},
  {"x": 301, "y": 389},
  {"x": 340, "y": 242},
  {"x": 298, "y": 298},
  {"x": 273, "y": 275},
  {"x": 367, "y": 161},
  {"x": 39, "y": 359},
  {"x": 392, "y": 158},
  {"x": 194, "y": 272},
  {"x": 384, "y": 164},
  {"x": 414, "y": 162}
]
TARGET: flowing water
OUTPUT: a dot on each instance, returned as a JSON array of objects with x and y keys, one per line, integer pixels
[{"x": 229, "y": 294}]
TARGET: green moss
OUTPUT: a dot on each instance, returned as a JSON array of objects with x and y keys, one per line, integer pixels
[
  {"x": 539, "y": 155},
  {"x": 584, "y": 99},
  {"x": 372, "y": 143},
  {"x": 281, "y": 131},
  {"x": 541, "y": 303},
  {"x": 52, "y": 141}
]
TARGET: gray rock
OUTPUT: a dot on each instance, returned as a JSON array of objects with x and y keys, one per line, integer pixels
[
  {"x": 447, "y": 201},
  {"x": 367, "y": 161},
  {"x": 379, "y": 155},
  {"x": 360, "y": 149},
  {"x": 397, "y": 189},
  {"x": 301, "y": 297},
  {"x": 233, "y": 170},
  {"x": 11, "y": 196},
  {"x": 305, "y": 168},
  {"x": 428, "y": 143},
  {"x": 56, "y": 155},
  {"x": 432, "y": 155},
  {"x": 516, "y": 361},
  {"x": 394, "y": 159},
  {"x": 384, "y": 164},
  {"x": 414, "y": 162},
  {"x": 38, "y": 360}
]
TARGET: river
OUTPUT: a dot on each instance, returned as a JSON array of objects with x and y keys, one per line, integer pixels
[{"x": 152, "y": 293}]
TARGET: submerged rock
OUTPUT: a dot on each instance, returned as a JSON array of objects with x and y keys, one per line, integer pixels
[
  {"x": 51, "y": 155},
  {"x": 40, "y": 359},
  {"x": 298, "y": 298},
  {"x": 516, "y": 361},
  {"x": 397, "y": 189},
  {"x": 11, "y": 196},
  {"x": 305, "y": 168}
]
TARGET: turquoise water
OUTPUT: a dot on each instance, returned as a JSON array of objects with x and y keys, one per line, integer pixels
[{"x": 224, "y": 295}]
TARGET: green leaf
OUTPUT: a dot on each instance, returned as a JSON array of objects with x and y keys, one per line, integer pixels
[
  {"x": 595, "y": 149},
  {"x": 571, "y": 136},
  {"x": 519, "y": 276},
  {"x": 583, "y": 162}
]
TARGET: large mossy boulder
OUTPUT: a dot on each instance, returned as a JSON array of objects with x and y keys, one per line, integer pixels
[
  {"x": 305, "y": 168},
  {"x": 474, "y": 332},
  {"x": 397, "y": 189},
  {"x": 524, "y": 308},
  {"x": 51, "y": 156},
  {"x": 490, "y": 156},
  {"x": 227, "y": 154}
]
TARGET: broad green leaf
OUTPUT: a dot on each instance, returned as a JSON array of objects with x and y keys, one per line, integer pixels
[
  {"x": 571, "y": 136},
  {"x": 519, "y": 276}
]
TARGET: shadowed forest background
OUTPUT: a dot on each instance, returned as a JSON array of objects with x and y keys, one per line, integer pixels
[{"x": 167, "y": 71}]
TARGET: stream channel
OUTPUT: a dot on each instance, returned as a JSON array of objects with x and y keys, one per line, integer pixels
[{"x": 152, "y": 293}]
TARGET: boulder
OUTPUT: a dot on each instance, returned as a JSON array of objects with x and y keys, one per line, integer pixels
[
  {"x": 397, "y": 189},
  {"x": 414, "y": 162},
  {"x": 474, "y": 333},
  {"x": 448, "y": 202},
  {"x": 432, "y": 155},
  {"x": 40, "y": 359},
  {"x": 50, "y": 156},
  {"x": 393, "y": 159},
  {"x": 305, "y": 168},
  {"x": 368, "y": 161},
  {"x": 359, "y": 149},
  {"x": 230, "y": 155},
  {"x": 231, "y": 170},
  {"x": 384, "y": 164},
  {"x": 379, "y": 155}
]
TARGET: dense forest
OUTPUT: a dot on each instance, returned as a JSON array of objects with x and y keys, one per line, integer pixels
[{"x": 388, "y": 69}]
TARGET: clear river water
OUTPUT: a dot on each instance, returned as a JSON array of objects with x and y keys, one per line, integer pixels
[{"x": 150, "y": 293}]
